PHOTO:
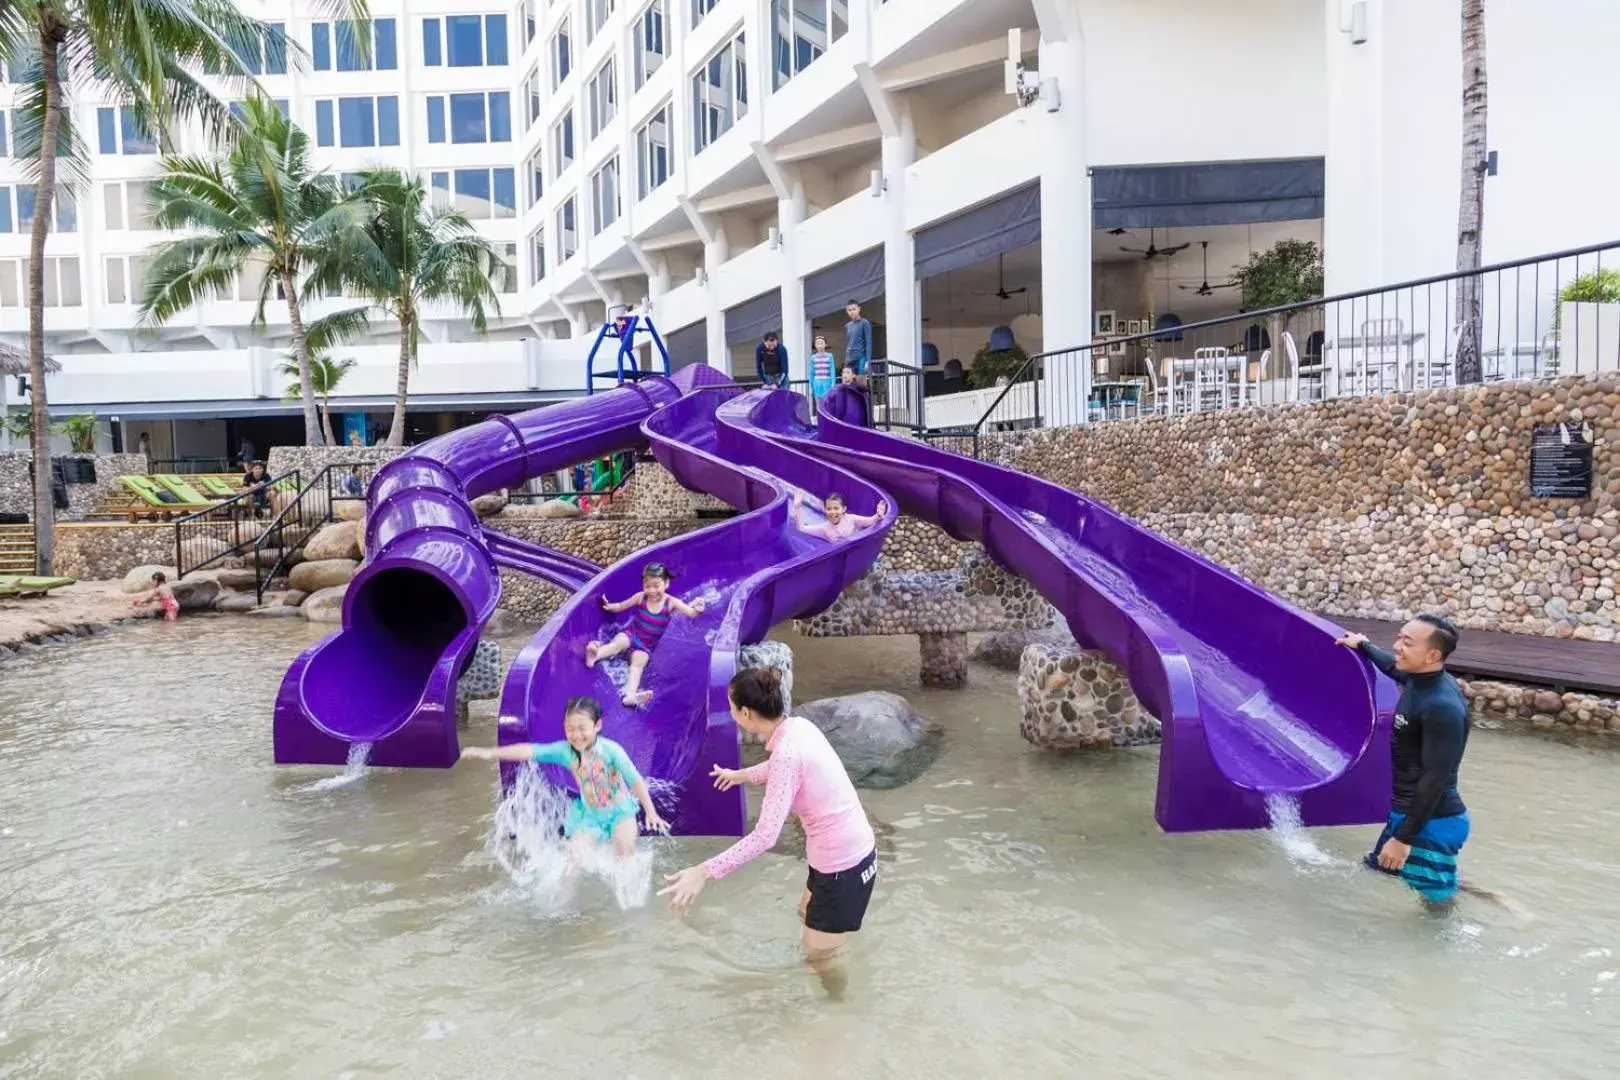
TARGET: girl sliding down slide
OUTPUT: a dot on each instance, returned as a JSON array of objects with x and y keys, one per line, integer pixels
[
  {"x": 805, "y": 776},
  {"x": 841, "y": 524},
  {"x": 654, "y": 607},
  {"x": 609, "y": 785}
]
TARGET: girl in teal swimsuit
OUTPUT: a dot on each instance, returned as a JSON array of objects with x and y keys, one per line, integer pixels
[{"x": 610, "y": 786}]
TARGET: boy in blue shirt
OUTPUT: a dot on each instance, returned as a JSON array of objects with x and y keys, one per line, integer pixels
[{"x": 857, "y": 339}]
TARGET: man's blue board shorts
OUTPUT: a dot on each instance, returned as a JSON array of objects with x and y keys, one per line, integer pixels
[{"x": 1431, "y": 869}]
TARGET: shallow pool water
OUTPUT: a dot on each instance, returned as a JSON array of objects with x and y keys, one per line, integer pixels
[{"x": 177, "y": 906}]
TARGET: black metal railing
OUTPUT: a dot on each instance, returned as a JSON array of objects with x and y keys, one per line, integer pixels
[
  {"x": 228, "y": 528},
  {"x": 1550, "y": 315},
  {"x": 314, "y": 506}
]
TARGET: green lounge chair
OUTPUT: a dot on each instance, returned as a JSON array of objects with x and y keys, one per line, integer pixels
[
  {"x": 23, "y": 586},
  {"x": 218, "y": 487},
  {"x": 153, "y": 495},
  {"x": 188, "y": 494}
]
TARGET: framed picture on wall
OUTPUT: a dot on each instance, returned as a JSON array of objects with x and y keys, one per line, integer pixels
[
  {"x": 1134, "y": 326},
  {"x": 1105, "y": 322},
  {"x": 1116, "y": 348}
]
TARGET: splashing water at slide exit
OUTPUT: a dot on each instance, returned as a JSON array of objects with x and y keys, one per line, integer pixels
[
  {"x": 353, "y": 770},
  {"x": 1290, "y": 835},
  {"x": 525, "y": 839}
]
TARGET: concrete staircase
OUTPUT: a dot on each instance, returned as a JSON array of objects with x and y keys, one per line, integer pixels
[{"x": 16, "y": 549}]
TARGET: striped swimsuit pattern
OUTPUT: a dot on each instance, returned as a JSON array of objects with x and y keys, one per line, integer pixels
[
  {"x": 647, "y": 627},
  {"x": 1431, "y": 868}
]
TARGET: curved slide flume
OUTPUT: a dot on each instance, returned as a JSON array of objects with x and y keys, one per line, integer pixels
[
  {"x": 413, "y": 613},
  {"x": 1254, "y": 696},
  {"x": 753, "y": 571}
]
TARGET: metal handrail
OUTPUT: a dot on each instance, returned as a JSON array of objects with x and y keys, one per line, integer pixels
[
  {"x": 262, "y": 576},
  {"x": 210, "y": 517},
  {"x": 1262, "y": 314}
]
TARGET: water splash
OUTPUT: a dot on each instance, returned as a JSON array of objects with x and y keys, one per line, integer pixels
[
  {"x": 525, "y": 838},
  {"x": 354, "y": 770},
  {"x": 1288, "y": 831}
]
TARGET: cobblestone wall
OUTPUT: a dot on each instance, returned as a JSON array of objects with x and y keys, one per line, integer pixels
[
  {"x": 979, "y": 596},
  {"x": 16, "y": 482},
  {"x": 1380, "y": 507},
  {"x": 309, "y": 460},
  {"x": 602, "y": 540}
]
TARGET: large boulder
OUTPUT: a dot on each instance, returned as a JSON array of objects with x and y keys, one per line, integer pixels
[
  {"x": 349, "y": 509},
  {"x": 139, "y": 580},
  {"x": 275, "y": 611},
  {"x": 1004, "y": 649},
  {"x": 195, "y": 594},
  {"x": 554, "y": 508},
  {"x": 285, "y": 597},
  {"x": 236, "y": 603},
  {"x": 339, "y": 540},
  {"x": 882, "y": 741},
  {"x": 325, "y": 605},
  {"x": 1073, "y": 700},
  {"x": 239, "y": 579},
  {"x": 318, "y": 574},
  {"x": 490, "y": 505}
]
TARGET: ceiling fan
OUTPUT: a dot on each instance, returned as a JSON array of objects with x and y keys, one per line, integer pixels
[
  {"x": 1206, "y": 289},
  {"x": 1002, "y": 292},
  {"x": 1153, "y": 249}
]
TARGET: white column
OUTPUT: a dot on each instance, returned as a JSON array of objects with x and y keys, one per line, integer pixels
[
  {"x": 1066, "y": 225},
  {"x": 795, "y": 327},
  {"x": 715, "y": 254},
  {"x": 902, "y": 317},
  {"x": 1353, "y": 220}
]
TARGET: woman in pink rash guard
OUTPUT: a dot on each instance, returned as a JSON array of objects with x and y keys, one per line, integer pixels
[{"x": 804, "y": 775}]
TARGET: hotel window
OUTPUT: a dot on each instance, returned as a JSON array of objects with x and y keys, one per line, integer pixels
[
  {"x": 652, "y": 153},
  {"x": 239, "y": 110},
  {"x": 534, "y": 169},
  {"x": 604, "y": 95},
  {"x": 350, "y": 41},
  {"x": 537, "y": 256},
  {"x": 464, "y": 41},
  {"x": 62, "y": 285},
  {"x": 700, "y": 8},
  {"x": 63, "y": 208},
  {"x": 531, "y": 99},
  {"x": 124, "y": 276},
  {"x": 119, "y": 131},
  {"x": 562, "y": 55},
  {"x": 480, "y": 194},
  {"x": 562, "y": 143},
  {"x": 127, "y": 204},
  {"x": 605, "y": 195},
  {"x": 267, "y": 56},
  {"x": 567, "y": 232},
  {"x": 472, "y": 118},
  {"x": 597, "y": 13},
  {"x": 719, "y": 93},
  {"x": 802, "y": 30},
  {"x": 357, "y": 121},
  {"x": 529, "y": 21},
  {"x": 508, "y": 283},
  {"x": 651, "y": 47}
]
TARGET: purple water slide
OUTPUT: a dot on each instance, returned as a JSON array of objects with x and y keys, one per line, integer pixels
[
  {"x": 1254, "y": 696},
  {"x": 754, "y": 571},
  {"x": 413, "y": 613}
]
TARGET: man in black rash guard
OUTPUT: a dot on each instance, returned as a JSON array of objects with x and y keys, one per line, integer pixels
[{"x": 1428, "y": 823}]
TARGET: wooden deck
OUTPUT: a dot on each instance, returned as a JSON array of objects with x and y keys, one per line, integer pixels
[{"x": 1561, "y": 663}]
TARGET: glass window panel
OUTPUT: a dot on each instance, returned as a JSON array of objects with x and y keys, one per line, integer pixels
[
  {"x": 349, "y": 56},
  {"x": 112, "y": 205},
  {"x": 142, "y": 204},
  {"x": 117, "y": 293},
  {"x": 275, "y": 50},
  {"x": 5, "y": 210},
  {"x": 68, "y": 270},
  {"x": 495, "y": 40},
  {"x": 136, "y": 138},
  {"x": 467, "y": 119},
  {"x": 10, "y": 282},
  {"x": 435, "y": 109},
  {"x": 321, "y": 46},
  {"x": 323, "y": 124},
  {"x": 385, "y": 55},
  {"x": 27, "y": 199},
  {"x": 464, "y": 36},
  {"x": 66, "y": 212},
  {"x": 505, "y": 193},
  {"x": 357, "y": 124},
  {"x": 107, "y": 130},
  {"x": 500, "y": 116},
  {"x": 388, "y": 121},
  {"x": 432, "y": 56}
]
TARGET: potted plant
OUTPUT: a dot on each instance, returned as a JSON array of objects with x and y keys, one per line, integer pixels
[
  {"x": 991, "y": 364},
  {"x": 1289, "y": 272},
  {"x": 81, "y": 432},
  {"x": 1589, "y": 319}
]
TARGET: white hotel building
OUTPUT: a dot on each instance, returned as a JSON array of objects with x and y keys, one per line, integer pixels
[{"x": 744, "y": 165}]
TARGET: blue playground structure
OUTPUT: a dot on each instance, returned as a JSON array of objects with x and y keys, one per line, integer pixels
[{"x": 623, "y": 328}]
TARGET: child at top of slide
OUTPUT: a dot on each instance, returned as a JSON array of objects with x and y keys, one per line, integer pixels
[
  {"x": 823, "y": 369},
  {"x": 160, "y": 593},
  {"x": 653, "y": 609},
  {"x": 840, "y": 523},
  {"x": 610, "y": 786}
]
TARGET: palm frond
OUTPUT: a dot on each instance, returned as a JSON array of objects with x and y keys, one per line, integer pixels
[{"x": 330, "y": 331}]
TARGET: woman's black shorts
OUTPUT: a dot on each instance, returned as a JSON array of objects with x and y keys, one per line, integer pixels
[{"x": 838, "y": 900}]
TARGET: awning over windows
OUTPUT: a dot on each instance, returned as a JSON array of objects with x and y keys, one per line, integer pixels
[
  {"x": 859, "y": 278},
  {"x": 749, "y": 320},
  {"x": 687, "y": 346},
  {"x": 999, "y": 226},
  {"x": 1213, "y": 193}
]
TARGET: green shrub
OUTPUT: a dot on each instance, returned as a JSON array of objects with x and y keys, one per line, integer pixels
[{"x": 989, "y": 366}]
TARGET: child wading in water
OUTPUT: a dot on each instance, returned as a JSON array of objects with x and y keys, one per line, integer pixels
[
  {"x": 160, "y": 593},
  {"x": 654, "y": 607},
  {"x": 840, "y": 523},
  {"x": 610, "y": 787}
]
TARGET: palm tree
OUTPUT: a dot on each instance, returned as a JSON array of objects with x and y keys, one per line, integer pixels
[
  {"x": 148, "y": 52},
  {"x": 1471, "y": 205},
  {"x": 429, "y": 255},
  {"x": 263, "y": 207},
  {"x": 324, "y": 374}
]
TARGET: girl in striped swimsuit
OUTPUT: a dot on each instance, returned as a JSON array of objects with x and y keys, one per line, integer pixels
[{"x": 653, "y": 609}]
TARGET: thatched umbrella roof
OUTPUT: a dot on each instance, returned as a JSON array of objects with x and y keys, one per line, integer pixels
[{"x": 15, "y": 362}]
